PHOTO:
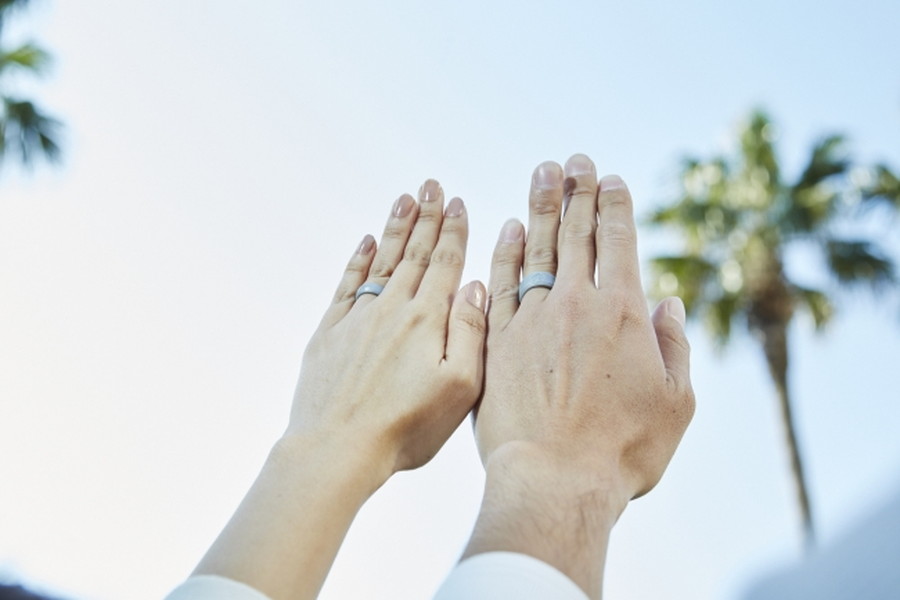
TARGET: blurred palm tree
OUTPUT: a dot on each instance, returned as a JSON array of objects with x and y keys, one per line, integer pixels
[
  {"x": 738, "y": 216},
  {"x": 26, "y": 132}
]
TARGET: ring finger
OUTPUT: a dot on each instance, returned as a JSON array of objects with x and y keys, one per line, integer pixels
[
  {"x": 393, "y": 242},
  {"x": 544, "y": 209}
]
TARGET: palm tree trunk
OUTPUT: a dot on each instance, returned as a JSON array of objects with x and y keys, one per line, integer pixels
[{"x": 774, "y": 340}]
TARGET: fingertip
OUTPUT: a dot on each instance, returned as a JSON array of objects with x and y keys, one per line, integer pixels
[
  {"x": 579, "y": 164},
  {"x": 609, "y": 183},
  {"x": 547, "y": 175},
  {"x": 674, "y": 307},
  {"x": 512, "y": 231},
  {"x": 455, "y": 208},
  {"x": 476, "y": 294},
  {"x": 366, "y": 245}
]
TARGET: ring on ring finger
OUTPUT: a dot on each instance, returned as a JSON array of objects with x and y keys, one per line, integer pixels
[
  {"x": 369, "y": 288},
  {"x": 541, "y": 279}
]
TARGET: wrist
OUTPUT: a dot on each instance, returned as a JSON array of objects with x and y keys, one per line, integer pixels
[
  {"x": 357, "y": 468},
  {"x": 550, "y": 506},
  {"x": 561, "y": 476}
]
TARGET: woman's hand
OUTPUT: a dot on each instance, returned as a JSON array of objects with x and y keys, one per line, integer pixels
[
  {"x": 385, "y": 381},
  {"x": 393, "y": 375}
]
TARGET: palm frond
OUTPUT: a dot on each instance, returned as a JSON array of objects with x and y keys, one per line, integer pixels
[
  {"x": 884, "y": 188},
  {"x": 28, "y": 57},
  {"x": 28, "y": 132},
  {"x": 685, "y": 276},
  {"x": 8, "y": 6},
  {"x": 854, "y": 262},
  {"x": 758, "y": 151},
  {"x": 719, "y": 316},
  {"x": 829, "y": 158},
  {"x": 807, "y": 209},
  {"x": 816, "y": 303}
]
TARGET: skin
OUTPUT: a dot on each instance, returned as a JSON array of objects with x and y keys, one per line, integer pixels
[
  {"x": 586, "y": 395},
  {"x": 583, "y": 394},
  {"x": 384, "y": 382}
]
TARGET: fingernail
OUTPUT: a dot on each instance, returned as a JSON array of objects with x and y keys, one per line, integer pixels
[
  {"x": 675, "y": 308},
  {"x": 579, "y": 164},
  {"x": 368, "y": 242},
  {"x": 475, "y": 295},
  {"x": 403, "y": 205},
  {"x": 454, "y": 208},
  {"x": 511, "y": 232},
  {"x": 430, "y": 191},
  {"x": 547, "y": 175},
  {"x": 611, "y": 182}
]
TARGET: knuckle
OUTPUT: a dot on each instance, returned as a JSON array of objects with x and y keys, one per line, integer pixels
[
  {"x": 381, "y": 270},
  {"x": 473, "y": 322},
  {"x": 506, "y": 256},
  {"x": 579, "y": 187},
  {"x": 544, "y": 203},
  {"x": 627, "y": 310},
  {"x": 578, "y": 231},
  {"x": 541, "y": 256},
  {"x": 428, "y": 215},
  {"x": 358, "y": 264},
  {"x": 395, "y": 231},
  {"x": 616, "y": 198},
  {"x": 447, "y": 257},
  {"x": 617, "y": 234},
  {"x": 503, "y": 291},
  {"x": 572, "y": 306},
  {"x": 417, "y": 254}
]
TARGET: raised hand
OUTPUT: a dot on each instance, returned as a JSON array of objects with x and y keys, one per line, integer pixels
[
  {"x": 586, "y": 395},
  {"x": 385, "y": 380},
  {"x": 394, "y": 374}
]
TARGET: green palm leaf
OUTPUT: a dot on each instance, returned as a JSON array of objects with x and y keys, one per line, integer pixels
[
  {"x": 28, "y": 57},
  {"x": 737, "y": 218},
  {"x": 27, "y": 132},
  {"x": 855, "y": 262}
]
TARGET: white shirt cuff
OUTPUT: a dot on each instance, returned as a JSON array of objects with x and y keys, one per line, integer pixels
[
  {"x": 507, "y": 575},
  {"x": 213, "y": 587}
]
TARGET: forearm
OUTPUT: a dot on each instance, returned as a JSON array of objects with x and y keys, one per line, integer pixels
[
  {"x": 284, "y": 536},
  {"x": 552, "y": 511}
]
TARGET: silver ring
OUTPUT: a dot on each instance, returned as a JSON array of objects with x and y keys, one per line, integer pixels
[
  {"x": 368, "y": 288},
  {"x": 537, "y": 279}
]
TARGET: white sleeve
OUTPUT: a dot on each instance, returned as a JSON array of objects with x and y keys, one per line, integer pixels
[
  {"x": 507, "y": 575},
  {"x": 213, "y": 587}
]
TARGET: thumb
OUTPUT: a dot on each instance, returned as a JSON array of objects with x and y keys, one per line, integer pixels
[
  {"x": 466, "y": 330},
  {"x": 668, "y": 321}
]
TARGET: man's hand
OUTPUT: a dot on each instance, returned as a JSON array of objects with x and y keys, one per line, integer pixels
[{"x": 586, "y": 395}]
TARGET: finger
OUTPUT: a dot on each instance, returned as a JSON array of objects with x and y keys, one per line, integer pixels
[
  {"x": 668, "y": 321},
  {"x": 417, "y": 254},
  {"x": 617, "y": 262},
  {"x": 544, "y": 209},
  {"x": 441, "y": 279},
  {"x": 506, "y": 265},
  {"x": 577, "y": 253},
  {"x": 354, "y": 276},
  {"x": 465, "y": 335},
  {"x": 393, "y": 241}
]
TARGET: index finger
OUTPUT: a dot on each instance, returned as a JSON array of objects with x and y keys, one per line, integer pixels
[{"x": 616, "y": 240}]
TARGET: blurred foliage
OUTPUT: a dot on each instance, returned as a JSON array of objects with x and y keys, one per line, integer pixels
[
  {"x": 738, "y": 215},
  {"x": 737, "y": 218},
  {"x": 26, "y": 131}
]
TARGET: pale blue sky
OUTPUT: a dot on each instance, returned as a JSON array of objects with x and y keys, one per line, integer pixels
[{"x": 222, "y": 162}]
